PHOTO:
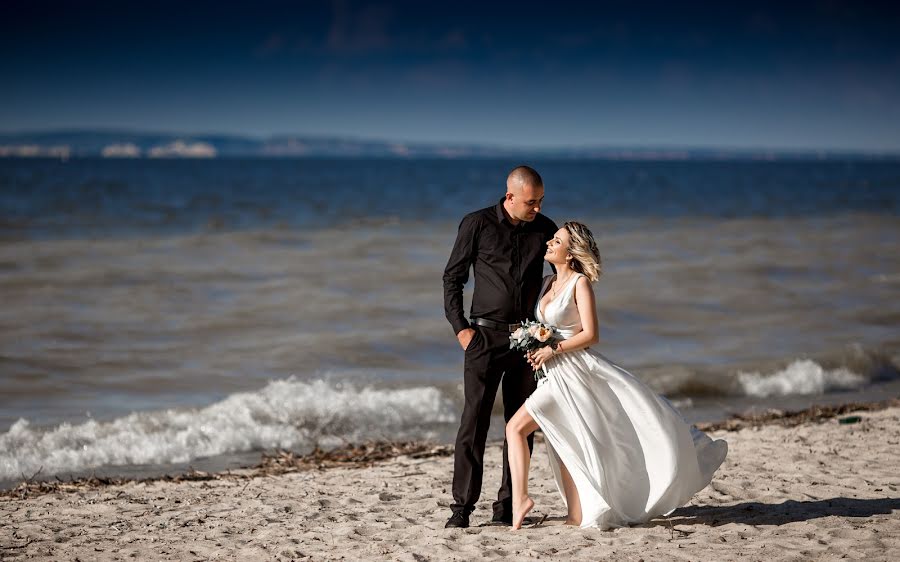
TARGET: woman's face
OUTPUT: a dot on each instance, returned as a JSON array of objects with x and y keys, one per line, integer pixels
[{"x": 558, "y": 247}]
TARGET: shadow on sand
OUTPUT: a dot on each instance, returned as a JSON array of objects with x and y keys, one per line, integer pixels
[{"x": 755, "y": 513}]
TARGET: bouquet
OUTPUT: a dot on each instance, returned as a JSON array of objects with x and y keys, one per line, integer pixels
[{"x": 533, "y": 335}]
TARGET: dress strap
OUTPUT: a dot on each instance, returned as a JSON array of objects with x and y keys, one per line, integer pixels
[
  {"x": 574, "y": 281},
  {"x": 570, "y": 288}
]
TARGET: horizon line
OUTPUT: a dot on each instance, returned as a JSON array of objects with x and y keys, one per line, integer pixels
[{"x": 607, "y": 146}]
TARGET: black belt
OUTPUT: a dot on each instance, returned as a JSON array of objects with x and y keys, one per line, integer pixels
[{"x": 496, "y": 325}]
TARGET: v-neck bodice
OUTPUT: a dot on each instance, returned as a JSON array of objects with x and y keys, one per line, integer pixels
[{"x": 561, "y": 310}]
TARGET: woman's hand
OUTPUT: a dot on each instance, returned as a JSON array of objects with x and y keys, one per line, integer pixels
[{"x": 539, "y": 356}]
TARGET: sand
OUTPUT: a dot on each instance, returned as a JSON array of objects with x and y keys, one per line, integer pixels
[{"x": 817, "y": 491}]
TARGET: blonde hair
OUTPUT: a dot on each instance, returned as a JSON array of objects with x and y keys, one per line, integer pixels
[{"x": 583, "y": 248}]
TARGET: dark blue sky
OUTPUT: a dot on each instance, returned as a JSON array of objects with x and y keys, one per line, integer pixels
[{"x": 732, "y": 74}]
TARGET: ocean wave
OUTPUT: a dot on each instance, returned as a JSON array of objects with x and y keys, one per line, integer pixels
[
  {"x": 800, "y": 377},
  {"x": 850, "y": 368},
  {"x": 284, "y": 414}
]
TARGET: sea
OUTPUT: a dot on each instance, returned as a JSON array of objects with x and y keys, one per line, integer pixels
[{"x": 160, "y": 315}]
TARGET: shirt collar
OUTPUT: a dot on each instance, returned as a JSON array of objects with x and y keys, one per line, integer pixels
[{"x": 501, "y": 216}]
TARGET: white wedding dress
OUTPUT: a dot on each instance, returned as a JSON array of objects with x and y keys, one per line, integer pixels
[{"x": 630, "y": 453}]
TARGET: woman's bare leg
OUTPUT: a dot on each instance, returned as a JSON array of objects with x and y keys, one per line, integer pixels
[
  {"x": 517, "y": 431},
  {"x": 573, "y": 500}
]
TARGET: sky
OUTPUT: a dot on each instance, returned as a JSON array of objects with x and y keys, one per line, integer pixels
[{"x": 781, "y": 75}]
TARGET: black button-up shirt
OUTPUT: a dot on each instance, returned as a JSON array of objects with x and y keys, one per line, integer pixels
[{"x": 508, "y": 261}]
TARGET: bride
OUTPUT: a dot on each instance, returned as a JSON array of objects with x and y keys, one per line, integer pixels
[{"x": 620, "y": 453}]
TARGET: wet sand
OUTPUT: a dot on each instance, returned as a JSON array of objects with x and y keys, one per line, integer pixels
[{"x": 819, "y": 490}]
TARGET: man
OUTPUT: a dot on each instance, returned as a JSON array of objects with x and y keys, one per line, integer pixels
[{"x": 505, "y": 245}]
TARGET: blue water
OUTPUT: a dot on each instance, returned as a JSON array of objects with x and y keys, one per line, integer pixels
[
  {"x": 98, "y": 198},
  {"x": 157, "y": 310}
]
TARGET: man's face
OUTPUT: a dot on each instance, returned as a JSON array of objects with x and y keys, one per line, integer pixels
[{"x": 525, "y": 202}]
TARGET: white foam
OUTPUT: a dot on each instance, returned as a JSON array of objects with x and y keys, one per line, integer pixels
[
  {"x": 681, "y": 403},
  {"x": 800, "y": 377},
  {"x": 286, "y": 414}
]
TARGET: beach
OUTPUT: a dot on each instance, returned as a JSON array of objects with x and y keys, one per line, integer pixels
[
  {"x": 165, "y": 316},
  {"x": 241, "y": 249},
  {"x": 792, "y": 488}
]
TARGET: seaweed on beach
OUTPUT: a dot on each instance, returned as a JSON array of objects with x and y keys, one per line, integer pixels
[
  {"x": 366, "y": 454},
  {"x": 356, "y": 456},
  {"x": 275, "y": 463},
  {"x": 813, "y": 414},
  {"x": 31, "y": 486}
]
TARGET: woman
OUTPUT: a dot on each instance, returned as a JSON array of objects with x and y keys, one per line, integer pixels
[{"x": 620, "y": 454}]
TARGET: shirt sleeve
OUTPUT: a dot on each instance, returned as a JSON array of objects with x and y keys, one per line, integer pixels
[{"x": 456, "y": 274}]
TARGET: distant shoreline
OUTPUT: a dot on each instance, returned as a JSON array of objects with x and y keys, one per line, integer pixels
[
  {"x": 124, "y": 144},
  {"x": 794, "y": 159}
]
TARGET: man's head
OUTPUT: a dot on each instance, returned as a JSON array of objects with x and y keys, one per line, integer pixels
[{"x": 524, "y": 194}]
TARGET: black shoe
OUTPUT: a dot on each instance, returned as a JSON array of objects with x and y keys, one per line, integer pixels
[
  {"x": 502, "y": 519},
  {"x": 458, "y": 520}
]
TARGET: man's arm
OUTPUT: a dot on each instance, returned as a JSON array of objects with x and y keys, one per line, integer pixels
[{"x": 457, "y": 273}]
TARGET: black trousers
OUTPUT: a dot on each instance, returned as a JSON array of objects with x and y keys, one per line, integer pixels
[{"x": 488, "y": 360}]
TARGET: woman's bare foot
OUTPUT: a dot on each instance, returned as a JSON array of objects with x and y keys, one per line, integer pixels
[
  {"x": 520, "y": 510},
  {"x": 572, "y": 522}
]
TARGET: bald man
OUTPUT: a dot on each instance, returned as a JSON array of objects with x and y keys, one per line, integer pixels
[{"x": 504, "y": 244}]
